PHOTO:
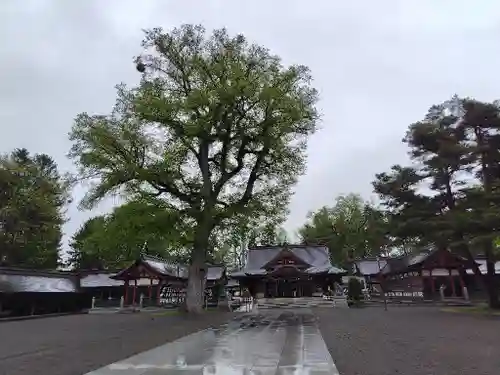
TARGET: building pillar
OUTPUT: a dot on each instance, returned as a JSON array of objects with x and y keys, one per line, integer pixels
[
  {"x": 465, "y": 293},
  {"x": 125, "y": 295},
  {"x": 150, "y": 289},
  {"x": 134, "y": 292},
  {"x": 452, "y": 282},
  {"x": 461, "y": 280},
  {"x": 433, "y": 284},
  {"x": 158, "y": 291},
  {"x": 422, "y": 280},
  {"x": 410, "y": 282}
]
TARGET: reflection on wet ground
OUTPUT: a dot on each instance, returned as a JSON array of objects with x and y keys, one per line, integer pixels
[{"x": 274, "y": 342}]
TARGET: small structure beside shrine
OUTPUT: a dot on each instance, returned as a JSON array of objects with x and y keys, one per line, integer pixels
[
  {"x": 368, "y": 268},
  {"x": 37, "y": 292},
  {"x": 288, "y": 271},
  {"x": 430, "y": 275},
  {"x": 99, "y": 285},
  {"x": 167, "y": 282}
]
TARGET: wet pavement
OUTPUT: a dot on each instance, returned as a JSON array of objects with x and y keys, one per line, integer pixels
[
  {"x": 77, "y": 344},
  {"x": 277, "y": 342},
  {"x": 411, "y": 341},
  {"x": 368, "y": 341}
]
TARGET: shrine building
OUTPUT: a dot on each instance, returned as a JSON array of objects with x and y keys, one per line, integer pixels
[{"x": 288, "y": 271}]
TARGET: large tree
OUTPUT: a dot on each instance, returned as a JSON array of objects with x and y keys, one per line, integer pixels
[
  {"x": 32, "y": 203},
  {"x": 352, "y": 228},
  {"x": 448, "y": 197},
  {"x": 216, "y": 128}
]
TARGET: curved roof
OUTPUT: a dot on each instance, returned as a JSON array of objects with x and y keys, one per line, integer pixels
[
  {"x": 316, "y": 257},
  {"x": 164, "y": 269},
  {"x": 19, "y": 283},
  {"x": 367, "y": 267}
]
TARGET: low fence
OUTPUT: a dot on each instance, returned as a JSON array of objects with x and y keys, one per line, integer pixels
[
  {"x": 106, "y": 302},
  {"x": 169, "y": 298}
]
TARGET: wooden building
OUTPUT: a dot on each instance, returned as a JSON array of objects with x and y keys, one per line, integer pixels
[
  {"x": 422, "y": 275},
  {"x": 475, "y": 286},
  {"x": 166, "y": 281},
  {"x": 288, "y": 271},
  {"x": 98, "y": 285},
  {"x": 34, "y": 292},
  {"x": 369, "y": 268}
]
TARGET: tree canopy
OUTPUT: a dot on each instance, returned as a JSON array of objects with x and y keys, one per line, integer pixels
[
  {"x": 32, "y": 202},
  {"x": 352, "y": 228},
  {"x": 113, "y": 241},
  {"x": 217, "y": 127},
  {"x": 448, "y": 198}
]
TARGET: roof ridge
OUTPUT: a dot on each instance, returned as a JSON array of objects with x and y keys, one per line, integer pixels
[
  {"x": 285, "y": 245},
  {"x": 160, "y": 259}
]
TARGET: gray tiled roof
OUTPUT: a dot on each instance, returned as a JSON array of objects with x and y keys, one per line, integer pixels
[
  {"x": 317, "y": 257},
  {"x": 232, "y": 283},
  {"x": 10, "y": 283},
  {"x": 215, "y": 273},
  {"x": 398, "y": 264},
  {"x": 166, "y": 268},
  {"x": 325, "y": 269},
  {"x": 312, "y": 255},
  {"x": 99, "y": 280},
  {"x": 368, "y": 267}
]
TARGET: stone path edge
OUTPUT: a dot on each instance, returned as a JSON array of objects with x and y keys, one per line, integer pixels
[{"x": 41, "y": 316}]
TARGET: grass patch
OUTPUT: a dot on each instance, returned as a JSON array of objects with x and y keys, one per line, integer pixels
[{"x": 482, "y": 309}]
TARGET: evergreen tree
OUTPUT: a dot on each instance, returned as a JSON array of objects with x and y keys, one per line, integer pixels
[{"x": 32, "y": 207}]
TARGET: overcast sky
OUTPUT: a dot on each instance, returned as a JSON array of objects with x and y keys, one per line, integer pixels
[{"x": 378, "y": 66}]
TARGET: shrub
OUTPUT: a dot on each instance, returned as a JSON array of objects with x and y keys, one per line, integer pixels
[{"x": 354, "y": 290}]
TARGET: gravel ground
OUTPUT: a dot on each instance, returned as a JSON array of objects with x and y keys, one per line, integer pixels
[
  {"x": 77, "y": 344},
  {"x": 410, "y": 341}
]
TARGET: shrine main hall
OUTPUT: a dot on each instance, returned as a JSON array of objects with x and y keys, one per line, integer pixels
[{"x": 288, "y": 271}]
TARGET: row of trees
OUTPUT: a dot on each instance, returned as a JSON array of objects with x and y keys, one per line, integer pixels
[
  {"x": 352, "y": 228},
  {"x": 206, "y": 148},
  {"x": 114, "y": 240},
  {"x": 217, "y": 131},
  {"x": 449, "y": 196},
  {"x": 33, "y": 196}
]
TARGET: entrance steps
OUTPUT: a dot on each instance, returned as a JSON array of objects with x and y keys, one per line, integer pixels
[{"x": 300, "y": 302}]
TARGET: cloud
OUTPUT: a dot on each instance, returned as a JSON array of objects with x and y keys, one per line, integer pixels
[{"x": 378, "y": 66}]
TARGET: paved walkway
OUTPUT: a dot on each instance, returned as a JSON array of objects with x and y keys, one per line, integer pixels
[{"x": 274, "y": 343}]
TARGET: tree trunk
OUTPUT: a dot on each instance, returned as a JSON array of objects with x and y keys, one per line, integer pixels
[
  {"x": 487, "y": 179},
  {"x": 195, "y": 289},
  {"x": 195, "y": 292},
  {"x": 492, "y": 289},
  {"x": 490, "y": 279}
]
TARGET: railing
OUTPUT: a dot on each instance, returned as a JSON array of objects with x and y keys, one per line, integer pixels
[
  {"x": 105, "y": 303},
  {"x": 170, "y": 300}
]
